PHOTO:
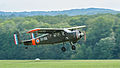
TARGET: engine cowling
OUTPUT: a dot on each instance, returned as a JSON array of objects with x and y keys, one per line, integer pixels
[{"x": 79, "y": 34}]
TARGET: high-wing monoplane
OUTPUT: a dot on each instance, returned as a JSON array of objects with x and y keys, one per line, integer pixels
[{"x": 52, "y": 36}]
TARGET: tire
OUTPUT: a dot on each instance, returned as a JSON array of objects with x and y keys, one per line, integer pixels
[
  {"x": 26, "y": 47},
  {"x": 63, "y": 49},
  {"x": 73, "y": 47}
]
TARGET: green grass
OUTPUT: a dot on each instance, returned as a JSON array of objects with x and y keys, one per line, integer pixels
[{"x": 60, "y": 64}]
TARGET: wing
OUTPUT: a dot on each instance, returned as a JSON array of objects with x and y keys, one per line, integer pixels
[
  {"x": 46, "y": 30},
  {"x": 78, "y": 27},
  {"x": 53, "y": 30},
  {"x": 28, "y": 42}
]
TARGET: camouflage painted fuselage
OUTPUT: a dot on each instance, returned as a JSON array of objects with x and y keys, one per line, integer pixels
[{"x": 53, "y": 38}]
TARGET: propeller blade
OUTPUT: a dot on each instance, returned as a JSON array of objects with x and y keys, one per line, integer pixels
[{"x": 84, "y": 36}]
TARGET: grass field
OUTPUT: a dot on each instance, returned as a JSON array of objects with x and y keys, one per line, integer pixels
[{"x": 60, "y": 64}]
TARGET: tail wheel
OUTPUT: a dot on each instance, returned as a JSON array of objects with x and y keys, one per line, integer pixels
[
  {"x": 63, "y": 49},
  {"x": 26, "y": 47},
  {"x": 73, "y": 47}
]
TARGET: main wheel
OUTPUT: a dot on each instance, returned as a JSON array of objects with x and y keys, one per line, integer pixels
[
  {"x": 26, "y": 47},
  {"x": 73, "y": 47},
  {"x": 63, "y": 49}
]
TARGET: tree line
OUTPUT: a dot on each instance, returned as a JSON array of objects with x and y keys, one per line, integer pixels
[{"x": 102, "y": 31}]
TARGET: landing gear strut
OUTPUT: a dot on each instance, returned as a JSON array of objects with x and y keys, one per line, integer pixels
[
  {"x": 73, "y": 46},
  {"x": 63, "y": 48}
]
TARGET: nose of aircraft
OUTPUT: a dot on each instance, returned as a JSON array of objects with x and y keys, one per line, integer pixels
[{"x": 81, "y": 34}]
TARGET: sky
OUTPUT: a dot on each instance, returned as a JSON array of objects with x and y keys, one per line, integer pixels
[{"x": 56, "y": 5}]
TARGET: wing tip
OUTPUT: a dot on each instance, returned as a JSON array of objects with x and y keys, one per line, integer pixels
[{"x": 32, "y": 30}]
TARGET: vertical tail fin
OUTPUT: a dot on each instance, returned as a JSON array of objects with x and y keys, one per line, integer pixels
[{"x": 17, "y": 38}]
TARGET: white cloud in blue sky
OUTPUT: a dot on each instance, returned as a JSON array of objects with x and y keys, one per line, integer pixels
[{"x": 53, "y": 5}]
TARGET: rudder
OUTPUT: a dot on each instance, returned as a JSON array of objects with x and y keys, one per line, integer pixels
[{"x": 17, "y": 38}]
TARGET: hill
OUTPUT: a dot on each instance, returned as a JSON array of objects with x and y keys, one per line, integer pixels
[
  {"x": 102, "y": 32},
  {"x": 72, "y": 12}
]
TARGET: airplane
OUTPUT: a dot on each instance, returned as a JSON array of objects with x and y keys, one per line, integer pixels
[{"x": 52, "y": 36}]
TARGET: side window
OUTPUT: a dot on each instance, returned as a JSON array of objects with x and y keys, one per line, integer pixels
[
  {"x": 58, "y": 34},
  {"x": 63, "y": 33},
  {"x": 50, "y": 35},
  {"x": 41, "y": 39},
  {"x": 45, "y": 38},
  {"x": 54, "y": 35}
]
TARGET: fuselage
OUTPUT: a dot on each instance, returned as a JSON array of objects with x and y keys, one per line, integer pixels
[{"x": 53, "y": 38}]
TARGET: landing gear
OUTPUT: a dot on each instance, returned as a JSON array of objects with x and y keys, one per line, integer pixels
[
  {"x": 73, "y": 46},
  {"x": 63, "y": 49},
  {"x": 26, "y": 47}
]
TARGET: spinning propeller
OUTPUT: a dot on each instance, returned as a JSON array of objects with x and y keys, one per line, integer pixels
[{"x": 84, "y": 36}]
